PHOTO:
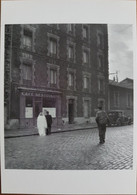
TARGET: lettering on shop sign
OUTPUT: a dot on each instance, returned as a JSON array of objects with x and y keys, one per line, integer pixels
[
  {"x": 36, "y": 94},
  {"x": 27, "y": 94}
]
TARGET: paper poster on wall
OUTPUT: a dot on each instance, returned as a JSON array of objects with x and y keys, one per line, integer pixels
[
  {"x": 28, "y": 112},
  {"x": 52, "y": 111}
]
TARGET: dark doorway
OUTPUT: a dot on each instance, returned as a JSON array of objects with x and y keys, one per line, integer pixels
[
  {"x": 71, "y": 111},
  {"x": 37, "y": 109}
]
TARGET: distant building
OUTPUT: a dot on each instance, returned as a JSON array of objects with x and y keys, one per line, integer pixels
[
  {"x": 121, "y": 96},
  {"x": 62, "y": 68}
]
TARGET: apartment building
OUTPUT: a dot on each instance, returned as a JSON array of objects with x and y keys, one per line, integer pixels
[{"x": 62, "y": 68}]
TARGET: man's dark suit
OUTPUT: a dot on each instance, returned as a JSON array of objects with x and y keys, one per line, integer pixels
[{"x": 49, "y": 123}]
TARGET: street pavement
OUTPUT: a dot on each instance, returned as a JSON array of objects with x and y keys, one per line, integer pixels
[
  {"x": 8, "y": 133},
  {"x": 73, "y": 150}
]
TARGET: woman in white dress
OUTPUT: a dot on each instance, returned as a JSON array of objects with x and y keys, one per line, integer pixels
[{"x": 41, "y": 124}]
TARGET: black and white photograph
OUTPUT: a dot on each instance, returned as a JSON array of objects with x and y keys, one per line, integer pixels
[
  {"x": 68, "y": 96},
  {"x": 68, "y": 91}
]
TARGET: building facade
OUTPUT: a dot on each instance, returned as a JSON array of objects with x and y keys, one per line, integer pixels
[
  {"x": 62, "y": 68},
  {"x": 121, "y": 96}
]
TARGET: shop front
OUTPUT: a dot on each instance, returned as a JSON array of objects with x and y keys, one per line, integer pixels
[{"x": 34, "y": 102}]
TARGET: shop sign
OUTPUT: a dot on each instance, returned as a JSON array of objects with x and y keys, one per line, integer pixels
[
  {"x": 28, "y": 112},
  {"x": 36, "y": 94},
  {"x": 27, "y": 94}
]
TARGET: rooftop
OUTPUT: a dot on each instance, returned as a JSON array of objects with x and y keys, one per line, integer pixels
[{"x": 126, "y": 83}]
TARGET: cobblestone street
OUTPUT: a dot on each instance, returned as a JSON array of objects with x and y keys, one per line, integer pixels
[{"x": 77, "y": 150}]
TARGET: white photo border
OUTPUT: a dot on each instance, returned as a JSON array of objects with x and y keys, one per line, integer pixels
[{"x": 67, "y": 182}]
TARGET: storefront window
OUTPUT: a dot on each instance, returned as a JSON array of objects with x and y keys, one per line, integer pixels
[
  {"x": 49, "y": 105},
  {"x": 29, "y": 108}
]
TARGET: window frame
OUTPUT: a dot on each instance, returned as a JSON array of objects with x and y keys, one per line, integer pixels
[
  {"x": 101, "y": 85},
  {"x": 71, "y": 79},
  {"x": 100, "y": 62},
  {"x": 55, "y": 68},
  {"x": 71, "y": 45},
  {"x": 29, "y": 29},
  {"x": 72, "y": 72},
  {"x": 53, "y": 47},
  {"x": 86, "y": 82},
  {"x": 100, "y": 41},
  {"x": 87, "y": 78},
  {"x": 26, "y": 71},
  {"x": 86, "y": 50},
  {"x": 54, "y": 76},
  {"x": 85, "y": 28},
  {"x": 72, "y": 31},
  {"x": 53, "y": 38}
]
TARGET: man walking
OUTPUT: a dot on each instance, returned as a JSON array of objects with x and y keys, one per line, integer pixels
[
  {"x": 102, "y": 120},
  {"x": 49, "y": 123}
]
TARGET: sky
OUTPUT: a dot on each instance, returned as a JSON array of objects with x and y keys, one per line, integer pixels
[{"x": 120, "y": 39}]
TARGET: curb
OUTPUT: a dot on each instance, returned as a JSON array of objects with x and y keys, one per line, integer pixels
[
  {"x": 74, "y": 129},
  {"x": 61, "y": 131}
]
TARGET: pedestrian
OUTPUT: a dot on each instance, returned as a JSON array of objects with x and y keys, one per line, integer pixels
[
  {"x": 49, "y": 122},
  {"x": 102, "y": 120},
  {"x": 41, "y": 124}
]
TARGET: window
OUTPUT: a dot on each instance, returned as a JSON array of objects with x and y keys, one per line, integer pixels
[
  {"x": 70, "y": 29},
  {"x": 129, "y": 100},
  {"x": 100, "y": 61},
  {"x": 100, "y": 40},
  {"x": 85, "y": 57},
  {"x": 71, "y": 52},
  {"x": 86, "y": 82},
  {"x": 27, "y": 72},
  {"x": 53, "y": 77},
  {"x": 29, "y": 108},
  {"x": 71, "y": 79},
  {"x": 86, "y": 108},
  {"x": 116, "y": 99},
  {"x": 101, "y": 86},
  {"x": 53, "y": 46},
  {"x": 85, "y": 32},
  {"x": 71, "y": 75},
  {"x": 27, "y": 39},
  {"x": 29, "y": 102}
]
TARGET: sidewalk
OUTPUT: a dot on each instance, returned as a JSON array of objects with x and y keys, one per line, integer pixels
[{"x": 33, "y": 131}]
